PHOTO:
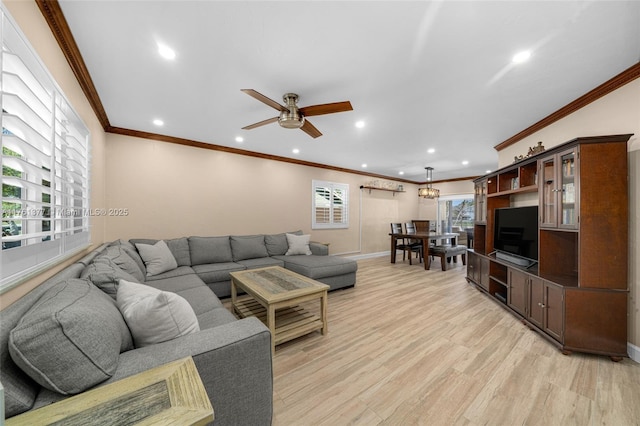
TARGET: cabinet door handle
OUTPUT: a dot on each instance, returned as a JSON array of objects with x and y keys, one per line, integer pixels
[{"x": 542, "y": 305}]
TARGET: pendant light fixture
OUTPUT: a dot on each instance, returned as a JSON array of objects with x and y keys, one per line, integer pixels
[{"x": 429, "y": 192}]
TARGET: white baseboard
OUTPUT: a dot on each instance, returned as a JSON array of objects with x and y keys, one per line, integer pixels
[{"x": 634, "y": 352}]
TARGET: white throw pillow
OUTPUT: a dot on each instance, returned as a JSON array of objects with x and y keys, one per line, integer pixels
[
  {"x": 157, "y": 258},
  {"x": 298, "y": 244},
  {"x": 154, "y": 316}
]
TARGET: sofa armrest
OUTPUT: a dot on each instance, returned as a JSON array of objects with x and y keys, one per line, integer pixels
[
  {"x": 234, "y": 363},
  {"x": 319, "y": 249}
]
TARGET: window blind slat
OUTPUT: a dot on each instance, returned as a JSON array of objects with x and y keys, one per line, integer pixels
[{"x": 45, "y": 166}]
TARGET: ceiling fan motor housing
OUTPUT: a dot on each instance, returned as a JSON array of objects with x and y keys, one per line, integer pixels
[{"x": 291, "y": 119}]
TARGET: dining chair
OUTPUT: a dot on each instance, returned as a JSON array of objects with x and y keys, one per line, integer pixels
[
  {"x": 414, "y": 245},
  {"x": 401, "y": 244}
]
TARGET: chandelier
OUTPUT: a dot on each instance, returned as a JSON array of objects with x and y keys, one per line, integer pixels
[{"x": 429, "y": 191}]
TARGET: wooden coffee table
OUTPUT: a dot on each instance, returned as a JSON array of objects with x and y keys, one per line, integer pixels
[{"x": 273, "y": 295}]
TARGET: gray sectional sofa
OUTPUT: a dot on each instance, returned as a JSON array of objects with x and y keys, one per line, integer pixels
[{"x": 69, "y": 335}]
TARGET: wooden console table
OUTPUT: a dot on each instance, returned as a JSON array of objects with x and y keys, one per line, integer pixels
[{"x": 167, "y": 395}]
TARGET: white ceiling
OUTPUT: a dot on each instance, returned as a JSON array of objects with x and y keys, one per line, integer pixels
[{"x": 421, "y": 74}]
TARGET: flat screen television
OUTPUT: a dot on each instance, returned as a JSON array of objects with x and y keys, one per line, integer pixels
[{"x": 515, "y": 234}]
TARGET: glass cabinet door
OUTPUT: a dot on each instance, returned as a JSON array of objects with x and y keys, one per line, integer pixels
[
  {"x": 548, "y": 193},
  {"x": 481, "y": 202},
  {"x": 568, "y": 214}
]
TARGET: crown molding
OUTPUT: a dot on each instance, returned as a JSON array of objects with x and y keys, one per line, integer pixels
[
  {"x": 54, "y": 16},
  {"x": 605, "y": 88},
  {"x": 213, "y": 147}
]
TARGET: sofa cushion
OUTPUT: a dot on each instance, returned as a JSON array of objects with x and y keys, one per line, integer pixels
[
  {"x": 276, "y": 244},
  {"x": 179, "y": 248},
  {"x": 261, "y": 262},
  {"x": 131, "y": 250},
  {"x": 157, "y": 258},
  {"x": 180, "y": 271},
  {"x": 248, "y": 247},
  {"x": 154, "y": 316},
  {"x": 317, "y": 267},
  {"x": 298, "y": 244},
  {"x": 214, "y": 272},
  {"x": 73, "y": 324},
  {"x": 119, "y": 255},
  {"x": 105, "y": 274},
  {"x": 205, "y": 250}
]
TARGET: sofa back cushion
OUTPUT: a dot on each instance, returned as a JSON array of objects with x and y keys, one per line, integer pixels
[
  {"x": 179, "y": 247},
  {"x": 248, "y": 247},
  {"x": 205, "y": 250},
  {"x": 118, "y": 254},
  {"x": 276, "y": 244},
  {"x": 20, "y": 390},
  {"x": 105, "y": 274},
  {"x": 71, "y": 338},
  {"x": 131, "y": 250}
]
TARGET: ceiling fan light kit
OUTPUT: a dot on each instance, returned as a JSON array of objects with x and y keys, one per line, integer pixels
[
  {"x": 290, "y": 118},
  {"x": 293, "y": 117}
]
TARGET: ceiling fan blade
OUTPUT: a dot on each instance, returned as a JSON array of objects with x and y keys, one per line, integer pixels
[
  {"x": 321, "y": 109},
  {"x": 260, "y": 123},
  {"x": 262, "y": 98},
  {"x": 310, "y": 129}
]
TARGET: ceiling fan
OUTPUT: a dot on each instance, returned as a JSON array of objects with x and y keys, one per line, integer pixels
[{"x": 293, "y": 117}]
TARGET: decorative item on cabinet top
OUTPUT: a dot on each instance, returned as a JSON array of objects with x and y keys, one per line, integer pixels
[{"x": 533, "y": 150}]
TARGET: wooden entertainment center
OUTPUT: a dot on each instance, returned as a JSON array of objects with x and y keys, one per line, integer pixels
[{"x": 576, "y": 295}]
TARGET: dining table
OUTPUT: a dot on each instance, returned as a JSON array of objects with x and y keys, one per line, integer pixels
[{"x": 426, "y": 238}]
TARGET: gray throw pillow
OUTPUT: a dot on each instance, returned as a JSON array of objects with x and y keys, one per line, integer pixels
[
  {"x": 157, "y": 258},
  {"x": 71, "y": 338},
  {"x": 298, "y": 244},
  {"x": 155, "y": 316},
  {"x": 205, "y": 250},
  {"x": 179, "y": 248},
  {"x": 248, "y": 247}
]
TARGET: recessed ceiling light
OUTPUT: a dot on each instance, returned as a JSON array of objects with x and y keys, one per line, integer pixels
[
  {"x": 239, "y": 139},
  {"x": 158, "y": 122},
  {"x": 465, "y": 162},
  {"x": 295, "y": 151},
  {"x": 364, "y": 165},
  {"x": 400, "y": 173},
  {"x": 360, "y": 124},
  {"x": 166, "y": 52},
  {"x": 521, "y": 57},
  {"x": 431, "y": 150},
  {"x": 487, "y": 171}
]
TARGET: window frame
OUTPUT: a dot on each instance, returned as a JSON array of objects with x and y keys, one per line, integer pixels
[
  {"x": 45, "y": 150},
  {"x": 333, "y": 188}
]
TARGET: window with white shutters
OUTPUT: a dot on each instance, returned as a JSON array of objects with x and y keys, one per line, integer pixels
[
  {"x": 330, "y": 205},
  {"x": 45, "y": 165}
]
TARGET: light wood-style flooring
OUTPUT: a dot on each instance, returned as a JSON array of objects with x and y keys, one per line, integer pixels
[{"x": 413, "y": 347}]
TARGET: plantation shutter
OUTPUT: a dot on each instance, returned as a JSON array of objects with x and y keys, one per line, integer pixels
[
  {"x": 45, "y": 165},
  {"x": 330, "y": 205}
]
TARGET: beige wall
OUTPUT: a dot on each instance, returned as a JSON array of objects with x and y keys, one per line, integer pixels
[
  {"x": 616, "y": 113},
  {"x": 30, "y": 20},
  {"x": 173, "y": 190}
]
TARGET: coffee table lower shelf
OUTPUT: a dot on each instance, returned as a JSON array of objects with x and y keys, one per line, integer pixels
[{"x": 291, "y": 322}]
